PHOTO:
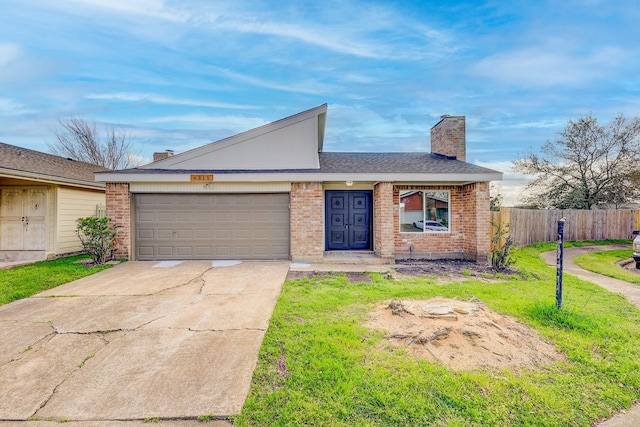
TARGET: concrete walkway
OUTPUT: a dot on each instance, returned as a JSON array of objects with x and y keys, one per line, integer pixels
[
  {"x": 143, "y": 340},
  {"x": 630, "y": 418}
]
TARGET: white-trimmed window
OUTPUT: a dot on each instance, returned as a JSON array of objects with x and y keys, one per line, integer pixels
[{"x": 424, "y": 211}]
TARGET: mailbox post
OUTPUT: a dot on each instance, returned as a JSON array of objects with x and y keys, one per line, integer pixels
[{"x": 559, "y": 263}]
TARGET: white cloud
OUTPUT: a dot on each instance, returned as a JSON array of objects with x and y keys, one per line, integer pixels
[
  {"x": 350, "y": 28},
  {"x": 159, "y": 99},
  {"x": 512, "y": 185},
  {"x": 137, "y": 159},
  {"x": 9, "y": 52},
  {"x": 234, "y": 123},
  {"x": 548, "y": 65},
  {"x": 300, "y": 86},
  {"x": 9, "y": 107},
  {"x": 304, "y": 34},
  {"x": 150, "y": 8},
  {"x": 16, "y": 65},
  {"x": 367, "y": 123}
]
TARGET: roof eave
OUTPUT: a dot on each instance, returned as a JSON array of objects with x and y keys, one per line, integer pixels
[
  {"x": 50, "y": 179},
  {"x": 305, "y": 177}
]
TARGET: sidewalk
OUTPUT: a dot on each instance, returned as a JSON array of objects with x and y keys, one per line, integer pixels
[{"x": 631, "y": 417}]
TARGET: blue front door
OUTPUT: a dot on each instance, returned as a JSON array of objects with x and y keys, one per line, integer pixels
[{"x": 348, "y": 220}]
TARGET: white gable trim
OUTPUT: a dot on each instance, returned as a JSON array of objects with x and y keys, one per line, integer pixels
[{"x": 290, "y": 143}]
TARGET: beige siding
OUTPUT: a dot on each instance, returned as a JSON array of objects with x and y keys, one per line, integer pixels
[
  {"x": 343, "y": 186},
  {"x": 210, "y": 187},
  {"x": 73, "y": 204},
  {"x": 52, "y": 201}
]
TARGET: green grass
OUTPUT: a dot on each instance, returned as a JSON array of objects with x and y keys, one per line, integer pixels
[
  {"x": 606, "y": 263},
  {"x": 24, "y": 281},
  {"x": 319, "y": 364}
]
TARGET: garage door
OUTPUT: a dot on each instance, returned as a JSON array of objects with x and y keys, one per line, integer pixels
[{"x": 212, "y": 226}]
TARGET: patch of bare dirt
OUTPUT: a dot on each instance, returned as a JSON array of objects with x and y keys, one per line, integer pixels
[
  {"x": 87, "y": 262},
  {"x": 463, "y": 335},
  {"x": 446, "y": 268}
]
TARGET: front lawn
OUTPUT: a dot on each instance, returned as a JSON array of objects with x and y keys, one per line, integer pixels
[
  {"x": 606, "y": 263},
  {"x": 26, "y": 280},
  {"x": 320, "y": 365}
]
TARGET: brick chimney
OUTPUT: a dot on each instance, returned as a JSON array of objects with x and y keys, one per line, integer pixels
[
  {"x": 162, "y": 155},
  {"x": 448, "y": 137}
]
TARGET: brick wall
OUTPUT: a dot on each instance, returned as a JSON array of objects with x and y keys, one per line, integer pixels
[
  {"x": 118, "y": 208},
  {"x": 469, "y": 225},
  {"x": 469, "y": 215},
  {"x": 448, "y": 137},
  {"x": 478, "y": 228},
  {"x": 383, "y": 220},
  {"x": 307, "y": 221}
]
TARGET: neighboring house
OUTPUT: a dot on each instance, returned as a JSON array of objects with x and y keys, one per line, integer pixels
[
  {"x": 273, "y": 193},
  {"x": 41, "y": 196}
]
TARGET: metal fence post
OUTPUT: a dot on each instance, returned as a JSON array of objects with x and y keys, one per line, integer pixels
[{"x": 559, "y": 263}]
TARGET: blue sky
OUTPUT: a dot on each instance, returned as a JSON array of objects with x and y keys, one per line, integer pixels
[{"x": 179, "y": 74}]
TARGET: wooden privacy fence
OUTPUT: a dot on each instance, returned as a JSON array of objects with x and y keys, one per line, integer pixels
[{"x": 528, "y": 226}]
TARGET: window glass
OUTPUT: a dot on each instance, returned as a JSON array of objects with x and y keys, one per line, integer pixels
[{"x": 424, "y": 211}]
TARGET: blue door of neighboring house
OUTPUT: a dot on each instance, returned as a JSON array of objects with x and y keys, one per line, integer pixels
[{"x": 348, "y": 220}]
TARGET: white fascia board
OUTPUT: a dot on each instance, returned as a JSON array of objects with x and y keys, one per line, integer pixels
[
  {"x": 48, "y": 179},
  {"x": 305, "y": 177}
]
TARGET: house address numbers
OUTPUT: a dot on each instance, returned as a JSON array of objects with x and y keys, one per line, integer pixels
[{"x": 201, "y": 177}]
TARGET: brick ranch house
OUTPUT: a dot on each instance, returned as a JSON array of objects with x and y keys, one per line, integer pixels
[{"x": 273, "y": 193}]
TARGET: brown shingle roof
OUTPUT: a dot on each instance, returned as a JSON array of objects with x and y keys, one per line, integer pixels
[
  {"x": 334, "y": 162},
  {"x": 395, "y": 163},
  {"x": 19, "y": 160}
]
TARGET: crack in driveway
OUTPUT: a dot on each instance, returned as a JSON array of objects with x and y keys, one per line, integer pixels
[
  {"x": 197, "y": 358},
  {"x": 187, "y": 283}
]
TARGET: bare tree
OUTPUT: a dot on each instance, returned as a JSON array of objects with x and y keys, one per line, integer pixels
[
  {"x": 589, "y": 165},
  {"x": 79, "y": 140}
]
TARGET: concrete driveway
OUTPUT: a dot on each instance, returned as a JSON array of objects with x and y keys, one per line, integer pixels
[{"x": 143, "y": 340}]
